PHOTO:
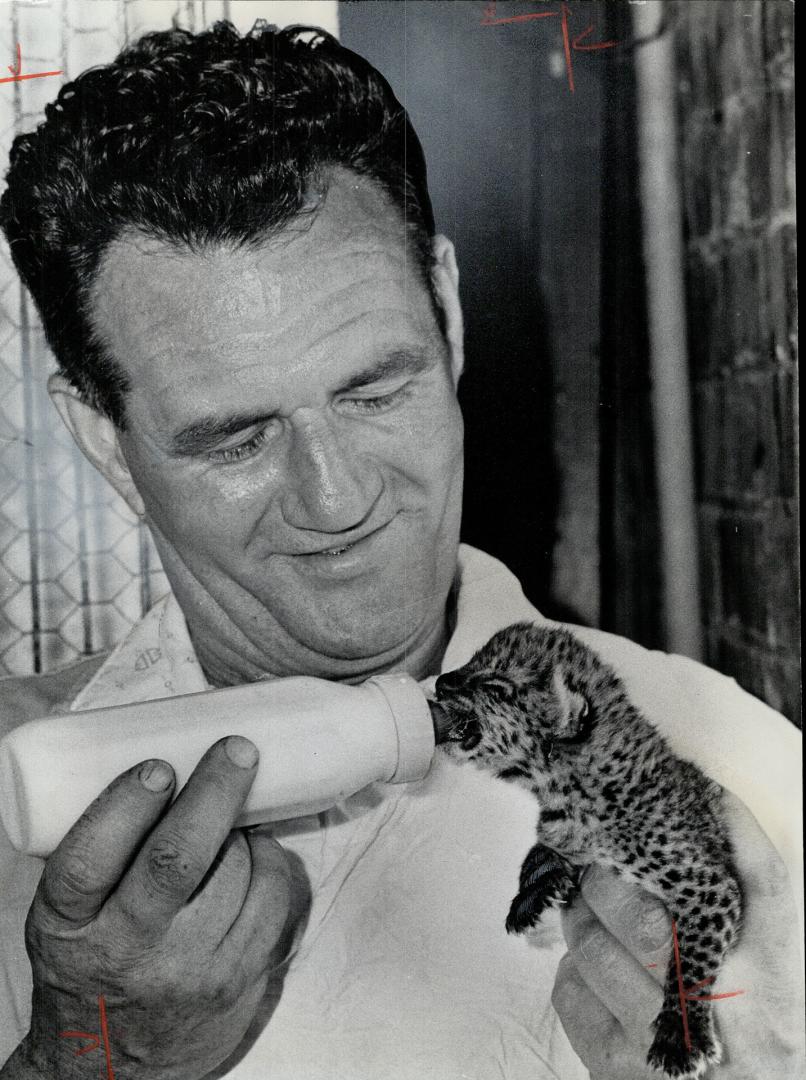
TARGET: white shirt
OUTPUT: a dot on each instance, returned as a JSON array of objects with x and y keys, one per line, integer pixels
[{"x": 404, "y": 970}]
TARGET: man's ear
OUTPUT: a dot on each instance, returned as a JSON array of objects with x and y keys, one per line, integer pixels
[
  {"x": 445, "y": 278},
  {"x": 97, "y": 438}
]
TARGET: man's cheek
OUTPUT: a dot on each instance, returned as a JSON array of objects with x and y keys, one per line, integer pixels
[
  {"x": 429, "y": 451},
  {"x": 196, "y": 512}
]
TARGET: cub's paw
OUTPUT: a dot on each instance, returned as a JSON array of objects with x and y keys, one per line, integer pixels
[
  {"x": 670, "y": 1054},
  {"x": 545, "y": 881}
]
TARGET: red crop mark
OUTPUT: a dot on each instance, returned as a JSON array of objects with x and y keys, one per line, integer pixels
[
  {"x": 569, "y": 67},
  {"x": 594, "y": 46},
  {"x": 95, "y": 1040},
  {"x": 689, "y": 993},
  {"x": 570, "y": 45},
  {"x": 16, "y": 71},
  {"x": 489, "y": 18}
]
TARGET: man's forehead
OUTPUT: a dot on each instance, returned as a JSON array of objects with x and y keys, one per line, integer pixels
[{"x": 146, "y": 285}]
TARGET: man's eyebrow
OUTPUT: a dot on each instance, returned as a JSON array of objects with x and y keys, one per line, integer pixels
[
  {"x": 399, "y": 362},
  {"x": 208, "y": 432}
]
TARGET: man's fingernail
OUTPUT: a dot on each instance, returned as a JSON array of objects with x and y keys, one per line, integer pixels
[
  {"x": 156, "y": 775},
  {"x": 241, "y": 752},
  {"x": 594, "y": 946},
  {"x": 597, "y": 872},
  {"x": 655, "y": 927}
]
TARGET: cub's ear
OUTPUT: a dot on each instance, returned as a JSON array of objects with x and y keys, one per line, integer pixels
[{"x": 573, "y": 709}]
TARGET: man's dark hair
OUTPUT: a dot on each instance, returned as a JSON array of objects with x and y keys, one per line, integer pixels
[{"x": 194, "y": 139}]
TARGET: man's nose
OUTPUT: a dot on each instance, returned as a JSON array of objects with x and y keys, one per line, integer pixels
[{"x": 331, "y": 487}]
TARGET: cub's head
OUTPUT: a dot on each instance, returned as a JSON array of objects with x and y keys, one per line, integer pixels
[{"x": 519, "y": 696}]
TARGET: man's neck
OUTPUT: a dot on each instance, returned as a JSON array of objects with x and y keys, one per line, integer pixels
[{"x": 224, "y": 665}]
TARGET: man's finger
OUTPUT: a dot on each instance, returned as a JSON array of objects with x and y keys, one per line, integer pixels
[
  {"x": 180, "y": 850},
  {"x": 757, "y": 861},
  {"x": 633, "y": 916},
  {"x": 766, "y": 963},
  {"x": 586, "y": 1020},
  {"x": 94, "y": 855},
  {"x": 210, "y": 912},
  {"x": 612, "y": 973},
  {"x": 595, "y": 1034},
  {"x": 265, "y": 912}
]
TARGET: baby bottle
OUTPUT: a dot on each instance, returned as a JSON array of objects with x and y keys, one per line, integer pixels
[{"x": 319, "y": 742}]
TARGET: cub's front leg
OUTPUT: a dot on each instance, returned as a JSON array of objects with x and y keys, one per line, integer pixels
[{"x": 547, "y": 879}]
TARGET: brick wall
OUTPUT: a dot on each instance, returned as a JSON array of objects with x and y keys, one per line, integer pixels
[{"x": 736, "y": 83}]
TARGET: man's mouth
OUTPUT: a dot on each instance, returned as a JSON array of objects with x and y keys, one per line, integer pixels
[
  {"x": 352, "y": 557},
  {"x": 450, "y": 727},
  {"x": 342, "y": 548},
  {"x": 334, "y": 551}
]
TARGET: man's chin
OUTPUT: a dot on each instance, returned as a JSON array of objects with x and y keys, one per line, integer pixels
[
  {"x": 375, "y": 641},
  {"x": 364, "y": 637}
]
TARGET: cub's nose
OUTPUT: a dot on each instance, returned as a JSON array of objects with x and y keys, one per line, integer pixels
[{"x": 447, "y": 684}]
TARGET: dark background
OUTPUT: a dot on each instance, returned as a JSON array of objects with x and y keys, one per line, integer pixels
[
  {"x": 516, "y": 175},
  {"x": 538, "y": 188}
]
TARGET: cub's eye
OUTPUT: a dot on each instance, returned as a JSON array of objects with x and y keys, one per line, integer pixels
[{"x": 499, "y": 688}]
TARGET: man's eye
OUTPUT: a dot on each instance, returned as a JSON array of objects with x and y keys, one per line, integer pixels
[
  {"x": 377, "y": 402},
  {"x": 241, "y": 450}
]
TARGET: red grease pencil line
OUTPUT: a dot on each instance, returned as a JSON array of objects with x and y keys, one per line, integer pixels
[
  {"x": 16, "y": 70},
  {"x": 37, "y": 75},
  {"x": 95, "y": 1040},
  {"x": 105, "y": 1033},
  {"x": 688, "y": 994},
  {"x": 569, "y": 67},
  {"x": 680, "y": 988},
  {"x": 596, "y": 45},
  {"x": 490, "y": 19}
]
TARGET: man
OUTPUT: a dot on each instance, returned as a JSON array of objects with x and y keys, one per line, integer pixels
[{"x": 259, "y": 337}]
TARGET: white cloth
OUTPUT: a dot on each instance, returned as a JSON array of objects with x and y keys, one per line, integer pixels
[{"x": 404, "y": 970}]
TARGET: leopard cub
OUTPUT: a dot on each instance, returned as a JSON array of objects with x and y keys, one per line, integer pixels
[{"x": 538, "y": 707}]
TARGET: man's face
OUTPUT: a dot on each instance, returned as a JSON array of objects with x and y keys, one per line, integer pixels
[{"x": 293, "y": 433}]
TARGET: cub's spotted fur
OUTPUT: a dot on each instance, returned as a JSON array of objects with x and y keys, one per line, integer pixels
[{"x": 538, "y": 707}]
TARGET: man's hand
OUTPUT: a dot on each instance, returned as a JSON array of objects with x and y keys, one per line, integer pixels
[
  {"x": 607, "y": 994},
  {"x": 170, "y": 916}
]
